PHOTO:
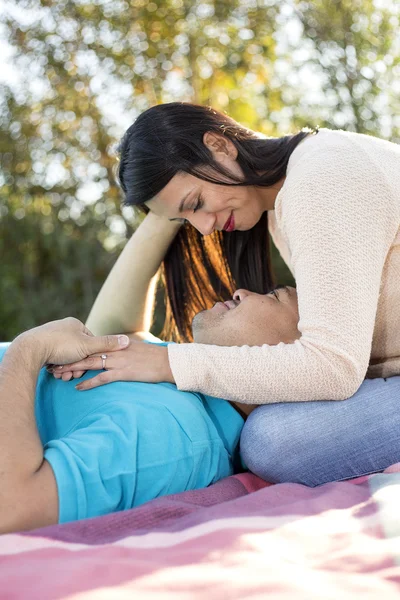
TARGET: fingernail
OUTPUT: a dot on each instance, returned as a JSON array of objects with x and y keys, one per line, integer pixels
[
  {"x": 123, "y": 340},
  {"x": 59, "y": 367},
  {"x": 78, "y": 387}
]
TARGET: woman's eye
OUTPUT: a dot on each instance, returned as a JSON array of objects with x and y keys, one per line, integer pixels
[{"x": 198, "y": 205}]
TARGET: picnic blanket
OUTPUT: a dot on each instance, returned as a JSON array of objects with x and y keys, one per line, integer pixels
[{"x": 240, "y": 538}]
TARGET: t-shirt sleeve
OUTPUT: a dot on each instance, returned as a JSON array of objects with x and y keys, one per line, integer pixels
[
  {"x": 95, "y": 468},
  {"x": 339, "y": 221}
]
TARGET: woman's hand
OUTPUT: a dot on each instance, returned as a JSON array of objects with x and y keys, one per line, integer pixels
[{"x": 139, "y": 362}]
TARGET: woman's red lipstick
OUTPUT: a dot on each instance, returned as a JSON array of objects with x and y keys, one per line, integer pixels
[{"x": 230, "y": 224}]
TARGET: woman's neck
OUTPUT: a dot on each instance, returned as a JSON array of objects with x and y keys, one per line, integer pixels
[{"x": 268, "y": 195}]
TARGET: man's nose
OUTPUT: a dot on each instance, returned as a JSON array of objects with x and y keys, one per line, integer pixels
[
  {"x": 203, "y": 222},
  {"x": 239, "y": 295}
]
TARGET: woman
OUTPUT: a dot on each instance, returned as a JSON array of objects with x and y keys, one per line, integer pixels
[{"x": 331, "y": 203}]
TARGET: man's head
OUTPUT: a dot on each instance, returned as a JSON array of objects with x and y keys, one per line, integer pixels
[{"x": 250, "y": 319}]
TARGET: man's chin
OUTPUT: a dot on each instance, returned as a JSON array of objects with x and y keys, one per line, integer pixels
[
  {"x": 206, "y": 327},
  {"x": 198, "y": 328},
  {"x": 201, "y": 338},
  {"x": 200, "y": 335}
]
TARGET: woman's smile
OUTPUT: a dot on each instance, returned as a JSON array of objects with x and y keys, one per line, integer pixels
[{"x": 230, "y": 224}]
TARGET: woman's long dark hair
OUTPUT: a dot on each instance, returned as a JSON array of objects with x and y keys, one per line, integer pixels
[{"x": 198, "y": 271}]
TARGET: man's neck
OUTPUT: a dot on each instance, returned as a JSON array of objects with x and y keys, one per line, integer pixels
[{"x": 243, "y": 409}]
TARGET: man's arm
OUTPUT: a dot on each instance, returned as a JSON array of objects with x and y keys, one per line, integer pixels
[{"x": 28, "y": 491}]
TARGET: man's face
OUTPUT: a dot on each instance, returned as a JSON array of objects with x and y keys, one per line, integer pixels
[{"x": 250, "y": 319}]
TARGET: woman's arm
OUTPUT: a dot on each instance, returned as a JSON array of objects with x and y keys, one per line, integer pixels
[
  {"x": 340, "y": 219},
  {"x": 126, "y": 300}
]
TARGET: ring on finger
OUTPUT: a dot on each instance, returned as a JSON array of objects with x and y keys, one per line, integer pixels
[{"x": 103, "y": 361}]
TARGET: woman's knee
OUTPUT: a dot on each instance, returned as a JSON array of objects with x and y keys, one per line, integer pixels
[
  {"x": 280, "y": 443},
  {"x": 263, "y": 441},
  {"x": 316, "y": 442}
]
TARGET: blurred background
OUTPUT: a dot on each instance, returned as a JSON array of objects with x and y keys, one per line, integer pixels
[{"x": 74, "y": 74}]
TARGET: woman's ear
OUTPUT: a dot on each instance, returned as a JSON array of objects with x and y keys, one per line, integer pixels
[{"x": 220, "y": 144}]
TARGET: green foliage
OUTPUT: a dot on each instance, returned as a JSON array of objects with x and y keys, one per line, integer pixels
[
  {"x": 50, "y": 268},
  {"x": 356, "y": 45},
  {"x": 85, "y": 69}
]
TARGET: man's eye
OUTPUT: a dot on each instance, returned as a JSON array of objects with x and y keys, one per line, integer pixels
[{"x": 278, "y": 287}]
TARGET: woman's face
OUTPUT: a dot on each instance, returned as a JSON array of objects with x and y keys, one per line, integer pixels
[{"x": 209, "y": 206}]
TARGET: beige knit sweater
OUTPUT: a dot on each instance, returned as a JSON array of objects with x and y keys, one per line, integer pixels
[{"x": 336, "y": 223}]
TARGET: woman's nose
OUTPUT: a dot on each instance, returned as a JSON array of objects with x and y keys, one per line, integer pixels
[
  {"x": 241, "y": 294},
  {"x": 203, "y": 222}
]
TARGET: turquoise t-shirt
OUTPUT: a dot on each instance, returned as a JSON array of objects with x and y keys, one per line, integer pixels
[{"x": 121, "y": 444}]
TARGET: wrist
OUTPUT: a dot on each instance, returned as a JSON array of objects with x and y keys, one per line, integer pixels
[
  {"x": 31, "y": 345},
  {"x": 154, "y": 222},
  {"x": 166, "y": 371}
]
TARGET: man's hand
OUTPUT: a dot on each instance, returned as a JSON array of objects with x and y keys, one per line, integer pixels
[
  {"x": 139, "y": 362},
  {"x": 68, "y": 340}
]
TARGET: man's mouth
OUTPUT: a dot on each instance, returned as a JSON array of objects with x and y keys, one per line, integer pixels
[
  {"x": 230, "y": 304},
  {"x": 230, "y": 224}
]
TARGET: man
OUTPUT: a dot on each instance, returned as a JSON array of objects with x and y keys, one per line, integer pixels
[{"x": 67, "y": 455}]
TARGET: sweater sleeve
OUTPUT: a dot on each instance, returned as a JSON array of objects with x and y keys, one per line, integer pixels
[{"x": 338, "y": 219}]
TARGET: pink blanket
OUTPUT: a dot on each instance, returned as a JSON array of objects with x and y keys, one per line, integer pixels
[{"x": 240, "y": 538}]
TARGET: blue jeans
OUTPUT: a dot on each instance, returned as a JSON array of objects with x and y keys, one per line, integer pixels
[{"x": 316, "y": 442}]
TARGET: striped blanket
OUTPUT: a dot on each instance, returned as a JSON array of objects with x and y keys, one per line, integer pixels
[{"x": 240, "y": 538}]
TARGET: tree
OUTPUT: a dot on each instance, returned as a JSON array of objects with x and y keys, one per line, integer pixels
[
  {"x": 81, "y": 66},
  {"x": 84, "y": 69},
  {"x": 354, "y": 47}
]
